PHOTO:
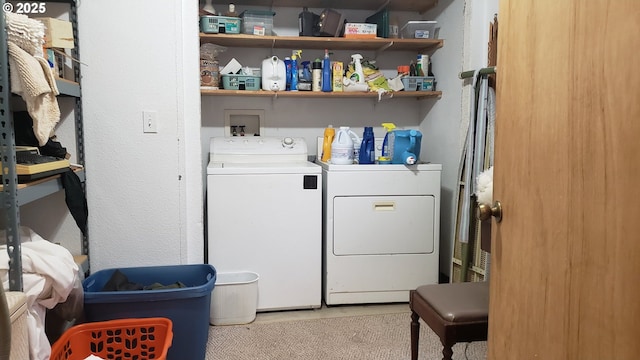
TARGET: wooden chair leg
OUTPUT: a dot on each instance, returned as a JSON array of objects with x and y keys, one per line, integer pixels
[
  {"x": 415, "y": 335},
  {"x": 447, "y": 351}
]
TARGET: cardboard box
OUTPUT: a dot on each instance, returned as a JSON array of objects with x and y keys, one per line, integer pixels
[
  {"x": 338, "y": 74},
  {"x": 360, "y": 30},
  {"x": 58, "y": 33}
]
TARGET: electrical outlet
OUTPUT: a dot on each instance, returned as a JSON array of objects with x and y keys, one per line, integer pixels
[{"x": 150, "y": 121}]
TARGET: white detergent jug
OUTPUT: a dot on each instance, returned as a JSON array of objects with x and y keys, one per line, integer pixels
[
  {"x": 274, "y": 74},
  {"x": 342, "y": 146}
]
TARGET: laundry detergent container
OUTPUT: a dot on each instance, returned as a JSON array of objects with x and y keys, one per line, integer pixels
[
  {"x": 234, "y": 299},
  {"x": 181, "y": 293},
  {"x": 405, "y": 146}
]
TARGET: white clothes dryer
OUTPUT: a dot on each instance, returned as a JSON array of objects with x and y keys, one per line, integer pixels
[
  {"x": 264, "y": 212},
  {"x": 381, "y": 231}
]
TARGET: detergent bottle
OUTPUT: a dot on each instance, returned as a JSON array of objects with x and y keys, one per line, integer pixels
[
  {"x": 274, "y": 74},
  {"x": 329, "y": 134},
  {"x": 342, "y": 146},
  {"x": 385, "y": 158},
  {"x": 367, "y": 148},
  {"x": 405, "y": 145}
]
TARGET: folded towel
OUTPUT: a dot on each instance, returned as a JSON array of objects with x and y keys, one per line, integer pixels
[
  {"x": 25, "y": 32},
  {"x": 32, "y": 79}
]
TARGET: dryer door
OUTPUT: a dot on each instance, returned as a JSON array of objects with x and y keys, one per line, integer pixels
[{"x": 377, "y": 225}]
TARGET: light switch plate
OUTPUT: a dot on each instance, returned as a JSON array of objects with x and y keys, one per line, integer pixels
[{"x": 150, "y": 121}]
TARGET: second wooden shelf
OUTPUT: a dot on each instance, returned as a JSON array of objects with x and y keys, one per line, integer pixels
[
  {"x": 319, "y": 43},
  {"x": 313, "y": 94}
]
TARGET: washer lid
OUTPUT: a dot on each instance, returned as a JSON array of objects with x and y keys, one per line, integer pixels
[{"x": 257, "y": 149}]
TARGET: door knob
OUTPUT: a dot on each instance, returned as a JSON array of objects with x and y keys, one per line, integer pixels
[{"x": 485, "y": 212}]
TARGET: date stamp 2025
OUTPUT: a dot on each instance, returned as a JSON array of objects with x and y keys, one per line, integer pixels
[{"x": 26, "y": 7}]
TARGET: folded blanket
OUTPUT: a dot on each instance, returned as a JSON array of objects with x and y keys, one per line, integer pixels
[
  {"x": 33, "y": 80},
  {"x": 49, "y": 274}
]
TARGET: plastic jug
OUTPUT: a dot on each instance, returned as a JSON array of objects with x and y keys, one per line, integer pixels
[
  {"x": 342, "y": 146},
  {"x": 405, "y": 146},
  {"x": 329, "y": 134},
  {"x": 368, "y": 147},
  {"x": 274, "y": 74}
]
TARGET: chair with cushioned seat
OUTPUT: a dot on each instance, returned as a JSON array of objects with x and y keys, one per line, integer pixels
[{"x": 456, "y": 312}]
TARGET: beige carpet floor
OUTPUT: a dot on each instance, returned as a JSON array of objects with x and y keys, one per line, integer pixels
[{"x": 370, "y": 337}]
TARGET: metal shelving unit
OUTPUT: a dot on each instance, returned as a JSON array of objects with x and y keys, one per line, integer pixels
[{"x": 14, "y": 195}]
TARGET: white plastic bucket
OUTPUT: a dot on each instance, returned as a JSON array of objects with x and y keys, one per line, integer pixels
[{"x": 234, "y": 298}]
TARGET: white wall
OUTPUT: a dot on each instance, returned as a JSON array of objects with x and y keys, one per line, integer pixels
[
  {"x": 441, "y": 124},
  {"x": 464, "y": 27},
  {"x": 144, "y": 208}
]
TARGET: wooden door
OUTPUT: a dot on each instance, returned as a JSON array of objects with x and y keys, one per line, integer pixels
[{"x": 565, "y": 269}]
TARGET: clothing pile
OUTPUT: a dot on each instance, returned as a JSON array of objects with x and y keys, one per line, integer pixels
[{"x": 49, "y": 274}]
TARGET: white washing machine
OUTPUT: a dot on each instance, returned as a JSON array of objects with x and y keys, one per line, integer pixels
[
  {"x": 381, "y": 231},
  {"x": 264, "y": 211}
]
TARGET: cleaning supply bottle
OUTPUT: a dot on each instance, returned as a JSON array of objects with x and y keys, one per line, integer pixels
[
  {"x": 232, "y": 11},
  {"x": 306, "y": 71},
  {"x": 294, "y": 69},
  {"x": 327, "y": 86},
  {"x": 342, "y": 147},
  {"x": 385, "y": 158},
  {"x": 367, "y": 148},
  {"x": 358, "y": 74},
  {"x": 287, "y": 64},
  {"x": 329, "y": 134},
  {"x": 356, "y": 146},
  {"x": 316, "y": 75}
]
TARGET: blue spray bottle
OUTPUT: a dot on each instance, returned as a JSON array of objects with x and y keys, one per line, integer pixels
[
  {"x": 367, "y": 148},
  {"x": 327, "y": 86},
  {"x": 294, "y": 69}
]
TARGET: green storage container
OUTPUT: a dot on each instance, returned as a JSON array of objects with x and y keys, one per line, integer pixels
[
  {"x": 240, "y": 82},
  {"x": 220, "y": 24}
]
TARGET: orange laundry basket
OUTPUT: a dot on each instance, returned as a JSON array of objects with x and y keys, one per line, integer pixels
[{"x": 144, "y": 338}]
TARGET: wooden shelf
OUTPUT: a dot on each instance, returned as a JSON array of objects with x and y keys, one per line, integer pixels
[
  {"x": 326, "y": 95},
  {"x": 34, "y": 190},
  {"x": 420, "y": 6},
  {"x": 331, "y": 43}
]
